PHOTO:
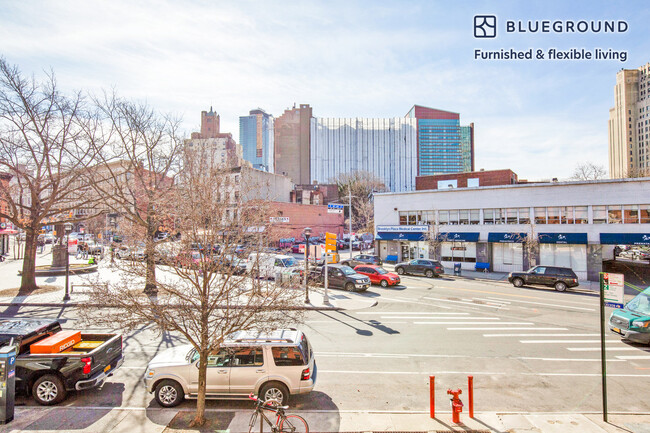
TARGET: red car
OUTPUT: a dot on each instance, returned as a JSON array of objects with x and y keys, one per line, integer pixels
[{"x": 378, "y": 275}]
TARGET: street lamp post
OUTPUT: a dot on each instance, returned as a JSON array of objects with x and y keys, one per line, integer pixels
[
  {"x": 68, "y": 229},
  {"x": 306, "y": 233}
]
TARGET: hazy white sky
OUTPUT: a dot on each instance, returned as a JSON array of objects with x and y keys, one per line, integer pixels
[{"x": 345, "y": 59}]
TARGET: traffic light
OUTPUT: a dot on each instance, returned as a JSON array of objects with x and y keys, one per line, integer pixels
[{"x": 330, "y": 242}]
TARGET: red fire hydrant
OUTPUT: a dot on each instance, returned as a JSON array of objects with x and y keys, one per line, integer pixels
[{"x": 456, "y": 405}]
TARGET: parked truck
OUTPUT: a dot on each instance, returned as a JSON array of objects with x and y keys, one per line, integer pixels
[{"x": 50, "y": 361}]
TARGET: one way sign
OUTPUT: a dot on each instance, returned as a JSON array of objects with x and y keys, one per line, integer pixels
[{"x": 335, "y": 208}]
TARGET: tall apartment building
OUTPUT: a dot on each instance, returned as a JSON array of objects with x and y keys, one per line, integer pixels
[
  {"x": 221, "y": 147},
  {"x": 256, "y": 138},
  {"x": 443, "y": 145},
  {"x": 209, "y": 125},
  {"x": 291, "y": 144},
  {"x": 629, "y": 123},
  {"x": 386, "y": 148}
]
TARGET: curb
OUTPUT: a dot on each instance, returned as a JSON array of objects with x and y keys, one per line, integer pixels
[{"x": 77, "y": 304}]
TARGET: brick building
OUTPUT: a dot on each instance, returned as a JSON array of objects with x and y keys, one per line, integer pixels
[
  {"x": 292, "y": 218},
  {"x": 314, "y": 194},
  {"x": 464, "y": 180},
  {"x": 291, "y": 144}
]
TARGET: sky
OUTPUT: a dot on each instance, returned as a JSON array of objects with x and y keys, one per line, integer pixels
[{"x": 370, "y": 59}]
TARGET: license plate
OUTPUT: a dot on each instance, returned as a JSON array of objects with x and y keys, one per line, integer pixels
[
  {"x": 108, "y": 367},
  {"x": 617, "y": 330}
]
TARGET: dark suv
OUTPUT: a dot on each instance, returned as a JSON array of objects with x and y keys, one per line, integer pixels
[
  {"x": 362, "y": 259},
  {"x": 550, "y": 276},
  {"x": 428, "y": 268}
]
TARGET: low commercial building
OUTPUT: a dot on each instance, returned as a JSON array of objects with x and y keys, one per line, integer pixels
[
  {"x": 291, "y": 219},
  {"x": 513, "y": 227}
]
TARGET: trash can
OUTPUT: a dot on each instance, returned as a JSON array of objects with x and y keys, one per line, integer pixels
[{"x": 456, "y": 268}]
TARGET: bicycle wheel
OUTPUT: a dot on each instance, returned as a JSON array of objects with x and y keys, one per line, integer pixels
[
  {"x": 252, "y": 423},
  {"x": 294, "y": 423}
]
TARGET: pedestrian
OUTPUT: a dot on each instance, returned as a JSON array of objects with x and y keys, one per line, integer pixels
[
  {"x": 85, "y": 251},
  {"x": 40, "y": 242}
]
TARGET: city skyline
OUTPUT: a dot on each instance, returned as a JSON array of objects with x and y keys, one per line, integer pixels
[{"x": 366, "y": 60}]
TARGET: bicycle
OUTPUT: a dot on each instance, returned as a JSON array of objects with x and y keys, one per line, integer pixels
[{"x": 283, "y": 423}]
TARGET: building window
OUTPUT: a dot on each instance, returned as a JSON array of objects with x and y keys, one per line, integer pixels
[
  {"x": 580, "y": 215},
  {"x": 631, "y": 214},
  {"x": 428, "y": 217},
  {"x": 644, "y": 213},
  {"x": 614, "y": 215},
  {"x": 443, "y": 217},
  {"x": 553, "y": 215},
  {"x": 524, "y": 215},
  {"x": 474, "y": 216},
  {"x": 488, "y": 216},
  {"x": 499, "y": 216},
  {"x": 453, "y": 216},
  {"x": 540, "y": 215},
  {"x": 463, "y": 217},
  {"x": 403, "y": 218},
  {"x": 600, "y": 214},
  {"x": 566, "y": 215},
  {"x": 413, "y": 218},
  {"x": 511, "y": 216}
]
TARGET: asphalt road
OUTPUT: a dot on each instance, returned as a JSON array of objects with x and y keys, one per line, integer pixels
[{"x": 528, "y": 349}]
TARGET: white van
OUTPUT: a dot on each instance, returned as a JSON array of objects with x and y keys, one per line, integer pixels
[{"x": 268, "y": 265}]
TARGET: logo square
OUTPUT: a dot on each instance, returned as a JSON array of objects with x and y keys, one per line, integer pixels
[{"x": 485, "y": 26}]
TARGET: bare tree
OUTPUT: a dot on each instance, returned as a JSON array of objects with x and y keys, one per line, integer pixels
[
  {"x": 136, "y": 171},
  {"x": 362, "y": 185},
  {"x": 201, "y": 293},
  {"x": 42, "y": 147},
  {"x": 638, "y": 172},
  {"x": 589, "y": 171}
]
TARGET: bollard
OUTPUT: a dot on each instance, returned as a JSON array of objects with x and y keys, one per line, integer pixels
[
  {"x": 470, "y": 387},
  {"x": 432, "y": 399}
]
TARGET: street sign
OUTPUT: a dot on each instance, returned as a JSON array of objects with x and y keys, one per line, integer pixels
[
  {"x": 335, "y": 208},
  {"x": 279, "y": 219},
  {"x": 330, "y": 242},
  {"x": 612, "y": 286}
]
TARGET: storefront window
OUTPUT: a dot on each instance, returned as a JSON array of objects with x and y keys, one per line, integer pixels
[
  {"x": 511, "y": 216},
  {"x": 488, "y": 216},
  {"x": 631, "y": 214},
  {"x": 553, "y": 215},
  {"x": 580, "y": 215},
  {"x": 644, "y": 213},
  {"x": 475, "y": 216},
  {"x": 458, "y": 251},
  {"x": 524, "y": 215},
  {"x": 614, "y": 215},
  {"x": 540, "y": 215},
  {"x": 600, "y": 214},
  {"x": 463, "y": 216}
]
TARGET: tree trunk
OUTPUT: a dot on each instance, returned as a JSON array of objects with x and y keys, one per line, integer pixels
[
  {"x": 28, "y": 280},
  {"x": 150, "y": 251},
  {"x": 199, "y": 418}
]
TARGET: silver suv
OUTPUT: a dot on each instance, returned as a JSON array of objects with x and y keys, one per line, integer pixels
[{"x": 272, "y": 365}]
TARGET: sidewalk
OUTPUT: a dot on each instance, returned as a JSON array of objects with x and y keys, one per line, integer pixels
[{"x": 155, "y": 420}]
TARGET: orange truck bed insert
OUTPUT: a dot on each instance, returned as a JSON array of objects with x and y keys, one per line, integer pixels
[{"x": 56, "y": 343}]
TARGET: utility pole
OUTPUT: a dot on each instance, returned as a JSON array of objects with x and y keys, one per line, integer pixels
[{"x": 350, "y": 208}]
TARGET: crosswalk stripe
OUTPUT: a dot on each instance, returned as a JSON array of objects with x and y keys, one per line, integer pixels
[
  {"x": 597, "y": 349},
  {"x": 633, "y": 357},
  {"x": 507, "y": 329},
  {"x": 540, "y": 335},
  {"x": 471, "y": 323},
  {"x": 549, "y": 305},
  {"x": 440, "y": 318},
  {"x": 558, "y": 341},
  {"x": 407, "y": 312},
  {"x": 474, "y": 304}
]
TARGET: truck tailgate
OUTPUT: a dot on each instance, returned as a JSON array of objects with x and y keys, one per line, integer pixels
[{"x": 105, "y": 356}]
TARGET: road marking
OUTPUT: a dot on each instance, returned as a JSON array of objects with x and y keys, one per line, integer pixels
[
  {"x": 541, "y": 335},
  {"x": 633, "y": 357},
  {"x": 597, "y": 349},
  {"x": 465, "y": 303},
  {"x": 441, "y": 318},
  {"x": 558, "y": 341},
  {"x": 351, "y": 321},
  {"x": 569, "y": 359},
  {"x": 405, "y": 312},
  {"x": 410, "y": 301},
  {"x": 507, "y": 329},
  {"x": 470, "y": 323},
  {"x": 548, "y": 305},
  {"x": 474, "y": 373}
]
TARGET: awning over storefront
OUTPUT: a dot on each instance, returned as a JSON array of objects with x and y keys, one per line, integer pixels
[
  {"x": 458, "y": 237},
  {"x": 562, "y": 238},
  {"x": 625, "y": 238},
  {"x": 507, "y": 238}
]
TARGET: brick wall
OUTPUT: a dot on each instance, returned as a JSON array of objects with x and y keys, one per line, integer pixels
[
  {"x": 486, "y": 178},
  {"x": 305, "y": 215}
]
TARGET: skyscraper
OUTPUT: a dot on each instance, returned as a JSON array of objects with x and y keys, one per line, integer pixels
[
  {"x": 440, "y": 148},
  {"x": 291, "y": 144},
  {"x": 629, "y": 123},
  {"x": 209, "y": 125},
  {"x": 221, "y": 147},
  {"x": 257, "y": 138}
]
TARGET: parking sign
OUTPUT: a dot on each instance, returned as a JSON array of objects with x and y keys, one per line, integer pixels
[{"x": 612, "y": 286}]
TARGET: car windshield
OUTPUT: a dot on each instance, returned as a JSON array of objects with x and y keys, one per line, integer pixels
[
  {"x": 381, "y": 271},
  {"x": 348, "y": 270},
  {"x": 640, "y": 304},
  {"x": 289, "y": 262}
]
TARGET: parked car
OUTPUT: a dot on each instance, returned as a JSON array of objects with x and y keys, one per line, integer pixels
[
  {"x": 50, "y": 362},
  {"x": 189, "y": 259},
  {"x": 49, "y": 238},
  {"x": 131, "y": 253},
  {"x": 341, "y": 277},
  {"x": 428, "y": 268},
  {"x": 233, "y": 264},
  {"x": 274, "y": 366},
  {"x": 551, "y": 276},
  {"x": 362, "y": 259},
  {"x": 633, "y": 321},
  {"x": 94, "y": 248},
  {"x": 295, "y": 248},
  {"x": 268, "y": 265},
  {"x": 378, "y": 275}
]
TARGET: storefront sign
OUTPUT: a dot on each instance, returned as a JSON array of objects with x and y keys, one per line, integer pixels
[
  {"x": 458, "y": 237},
  {"x": 625, "y": 238},
  {"x": 507, "y": 238},
  {"x": 403, "y": 229},
  {"x": 562, "y": 238},
  {"x": 279, "y": 219}
]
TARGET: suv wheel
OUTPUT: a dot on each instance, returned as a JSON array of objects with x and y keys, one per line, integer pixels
[
  {"x": 349, "y": 287},
  {"x": 400, "y": 271},
  {"x": 383, "y": 283},
  {"x": 518, "y": 282},
  {"x": 428, "y": 273},
  {"x": 275, "y": 391},
  {"x": 560, "y": 286},
  {"x": 169, "y": 393},
  {"x": 345, "y": 263},
  {"x": 48, "y": 390}
]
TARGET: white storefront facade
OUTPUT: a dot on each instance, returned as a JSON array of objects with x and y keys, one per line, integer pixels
[{"x": 574, "y": 224}]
